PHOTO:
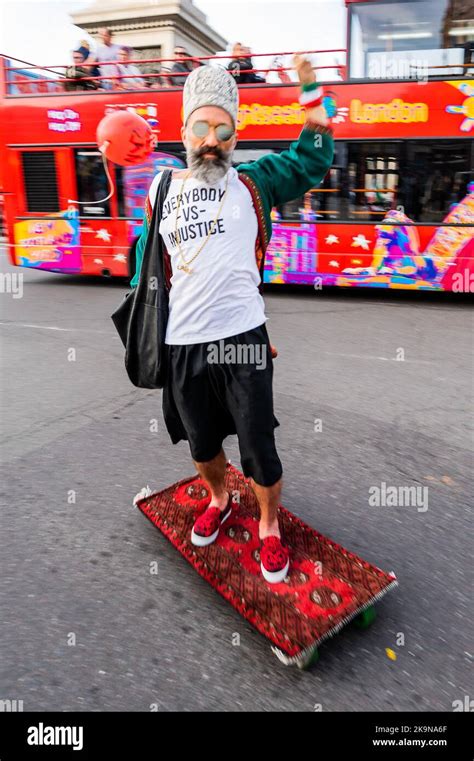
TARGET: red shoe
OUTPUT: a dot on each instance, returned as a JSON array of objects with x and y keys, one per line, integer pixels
[
  {"x": 274, "y": 560},
  {"x": 206, "y": 527}
]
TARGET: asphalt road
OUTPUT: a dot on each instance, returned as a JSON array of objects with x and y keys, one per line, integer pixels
[{"x": 85, "y": 626}]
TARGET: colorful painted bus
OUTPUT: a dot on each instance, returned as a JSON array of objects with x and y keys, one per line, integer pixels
[{"x": 396, "y": 209}]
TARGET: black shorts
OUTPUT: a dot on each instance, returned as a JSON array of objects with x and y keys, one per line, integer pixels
[{"x": 219, "y": 388}]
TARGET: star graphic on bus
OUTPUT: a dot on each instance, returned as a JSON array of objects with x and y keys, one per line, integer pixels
[
  {"x": 120, "y": 258},
  {"x": 103, "y": 234},
  {"x": 466, "y": 108},
  {"x": 360, "y": 240},
  {"x": 332, "y": 239},
  {"x": 334, "y": 263}
]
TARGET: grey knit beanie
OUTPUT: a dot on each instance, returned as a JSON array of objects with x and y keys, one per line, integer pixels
[{"x": 210, "y": 86}]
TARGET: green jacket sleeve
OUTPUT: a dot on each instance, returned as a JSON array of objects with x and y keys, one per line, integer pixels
[
  {"x": 139, "y": 253},
  {"x": 291, "y": 173}
]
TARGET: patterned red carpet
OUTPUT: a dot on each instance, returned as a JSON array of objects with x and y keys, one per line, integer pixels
[{"x": 327, "y": 585}]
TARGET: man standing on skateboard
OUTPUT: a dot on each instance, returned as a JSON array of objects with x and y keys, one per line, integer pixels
[{"x": 216, "y": 226}]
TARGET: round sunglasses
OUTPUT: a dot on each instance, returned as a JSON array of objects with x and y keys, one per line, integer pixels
[{"x": 223, "y": 131}]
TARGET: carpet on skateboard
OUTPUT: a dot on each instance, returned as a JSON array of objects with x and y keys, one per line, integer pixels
[{"x": 326, "y": 587}]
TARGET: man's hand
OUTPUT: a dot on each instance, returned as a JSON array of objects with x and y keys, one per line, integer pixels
[
  {"x": 307, "y": 76},
  {"x": 304, "y": 69}
]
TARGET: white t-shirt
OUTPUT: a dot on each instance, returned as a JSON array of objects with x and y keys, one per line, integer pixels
[
  {"x": 220, "y": 298},
  {"x": 106, "y": 53}
]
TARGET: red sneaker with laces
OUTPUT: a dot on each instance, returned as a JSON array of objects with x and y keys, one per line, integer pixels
[
  {"x": 206, "y": 527},
  {"x": 274, "y": 560}
]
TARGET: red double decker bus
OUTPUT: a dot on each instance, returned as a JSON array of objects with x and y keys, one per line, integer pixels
[{"x": 396, "y": 209}]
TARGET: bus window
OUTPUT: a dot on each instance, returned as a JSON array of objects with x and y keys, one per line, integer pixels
[
  {"x": 119, "y": 190},
  {"x": 372, "y": 178},
  {"x": 409, "y": 39},
  {"x": 92, "y": 183},
  {"x": 436, "y": 175},
  {"x": 322, "y": 203},
  {"x": 325, "y": 202},
  {"x": 361, "y": 185},
  {"x": 40, "y": 181}
]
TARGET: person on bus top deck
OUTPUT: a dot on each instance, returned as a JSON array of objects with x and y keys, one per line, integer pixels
[
  {"x": 215, "y": 222},
  {"x": 77, "y": 72},
  {"x": 108, "y": 51},
  {"x": 239, "y": 67},
  {"x": 133, "y": 79},
  {"x": 182, "y": 67}
]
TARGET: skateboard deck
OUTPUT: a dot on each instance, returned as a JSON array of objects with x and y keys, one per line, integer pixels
[{"x": 327, "y": 586}]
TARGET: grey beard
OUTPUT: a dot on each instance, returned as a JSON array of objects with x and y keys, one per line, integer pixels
[{"x": 209, "y": 171}]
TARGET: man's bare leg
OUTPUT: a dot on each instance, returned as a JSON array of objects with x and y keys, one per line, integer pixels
[
  {"x": 268, "y": 498},
  {"x": 213, "y": 473}
]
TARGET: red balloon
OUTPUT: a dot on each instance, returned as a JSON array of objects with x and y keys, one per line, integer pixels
[{"x": 125, "y": 137}]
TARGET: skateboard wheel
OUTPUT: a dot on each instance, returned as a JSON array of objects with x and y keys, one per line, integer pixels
[
  {"x": 309, "y": 660},
  {"x": 366, "y": 618}
]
